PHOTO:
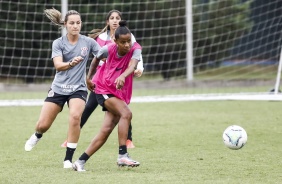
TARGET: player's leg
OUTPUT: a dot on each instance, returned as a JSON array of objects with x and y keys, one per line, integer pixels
[
  {"x": 117, "y": 110},
  {"x": 90, "y": 106},
  {"x": 76, "y": 107},
  {"x": 47, "y": 116},
  {"x": 97, "y": 142},
  {"x": 129, "y": 142},
  {"x": 121, "y": 109},
  {"x": 109, "y": 123},
  {"x": 129, "y": 136}
]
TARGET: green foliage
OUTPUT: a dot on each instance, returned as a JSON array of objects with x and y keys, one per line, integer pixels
[
  {"x": 27, "y": 52},
  {"x": 159, "y": 26},
  {"x": 217, "y": 24},
  {"x": 177, "y": 142}
]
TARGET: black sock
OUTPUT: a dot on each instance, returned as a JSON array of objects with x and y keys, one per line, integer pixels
[
  {"x": 129, "y": 135},
  {"x": 122, "y": 150},
  {"x": 38, "y": 135},
  {"x": 84, "y": 156},
  {"x": 69, "y": 154}
]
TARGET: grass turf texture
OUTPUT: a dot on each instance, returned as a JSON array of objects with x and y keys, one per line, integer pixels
[{"x": 177, "y": 142}]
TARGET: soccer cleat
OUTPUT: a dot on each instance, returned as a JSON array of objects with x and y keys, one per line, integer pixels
[
  {"x": 129, "y": 144},
  {"x": 31, "y": 142},
  {"x": 125, "y": 160},
  {"x": 67, "y": 164},
  {"x": 64, "y": 144},
  {"x": 79, "y": 165}
]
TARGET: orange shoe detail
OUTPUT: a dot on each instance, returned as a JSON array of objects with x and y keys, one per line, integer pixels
[
  {"x": 129, "y": 144},
  {"x": 64, "y": 145}
]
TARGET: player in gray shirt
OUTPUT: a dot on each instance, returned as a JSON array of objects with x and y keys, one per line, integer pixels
[
  {"x": 68, "y": 81},
  {"x": 70, "y": 54}
]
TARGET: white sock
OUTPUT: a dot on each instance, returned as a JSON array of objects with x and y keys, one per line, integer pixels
[{"x": 71, "y": 145}]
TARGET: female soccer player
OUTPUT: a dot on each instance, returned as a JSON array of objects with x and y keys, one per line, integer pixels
[
  {"x": 113, "y": 88},
  {"x": 104, "y": 37},
  {"x": 70, "y": 54}
]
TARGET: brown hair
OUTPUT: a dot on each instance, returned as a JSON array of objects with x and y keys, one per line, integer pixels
[
  {"x": 96, "y": 32},
  {"x": 56, "y": 17}
]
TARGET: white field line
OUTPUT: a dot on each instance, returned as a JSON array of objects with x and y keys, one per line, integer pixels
[{"x": 166, "y": 98}]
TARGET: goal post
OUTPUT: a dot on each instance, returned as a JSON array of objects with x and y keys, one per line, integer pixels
[
  {"x": 189, "y": 47},
  {"x": 278, "y": 78},
  {"x": 64, "y": 10},
  {"x": 189, "y": 39}
]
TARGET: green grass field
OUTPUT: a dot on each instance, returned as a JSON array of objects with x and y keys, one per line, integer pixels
[{"x": 175, "y": 143}]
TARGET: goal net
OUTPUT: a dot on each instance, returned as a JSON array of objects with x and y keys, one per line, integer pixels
[{"x": 191, "y": 49}]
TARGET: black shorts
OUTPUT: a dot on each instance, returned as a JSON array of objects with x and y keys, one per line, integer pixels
[
  {"x": 62, "y": 99},
  {"x": 102, "y": 98}
]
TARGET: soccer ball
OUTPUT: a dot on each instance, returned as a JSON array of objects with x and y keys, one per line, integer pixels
[{"x": 234, "y": 137}]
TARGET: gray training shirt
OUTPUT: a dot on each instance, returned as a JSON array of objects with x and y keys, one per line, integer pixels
[{"x": 72, "y": 80}]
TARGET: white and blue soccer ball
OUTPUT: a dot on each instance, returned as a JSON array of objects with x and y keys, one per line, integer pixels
[{"x": 234, "y": 137}]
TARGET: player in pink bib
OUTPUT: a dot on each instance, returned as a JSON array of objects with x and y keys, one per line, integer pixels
[
  {"x": 113, "y": 88},
  {"x": 103, "y": 37},
  {"x": 106, "y": 79}
]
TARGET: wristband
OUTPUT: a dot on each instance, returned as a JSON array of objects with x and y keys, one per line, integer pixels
[{"x": 70, "y": 64}]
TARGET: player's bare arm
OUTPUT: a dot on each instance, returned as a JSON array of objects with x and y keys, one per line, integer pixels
[
  {"x": 121, "y": 79},
  {"x": 62, "y": 66},
  {"x": 91, "y": 72}
]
